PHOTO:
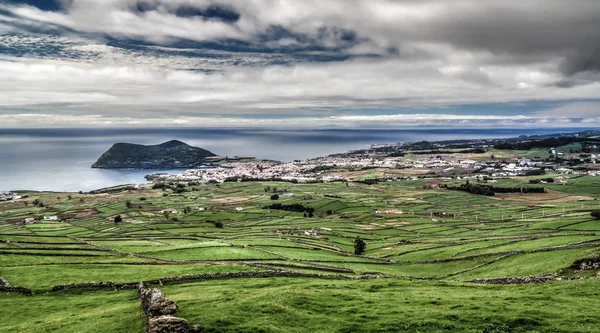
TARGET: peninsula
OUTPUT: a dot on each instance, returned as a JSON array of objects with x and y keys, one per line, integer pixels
[{"x": 172, "y": 154}]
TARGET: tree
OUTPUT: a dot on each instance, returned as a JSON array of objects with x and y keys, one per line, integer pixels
[
  {"x": 596, "y": 214},
  {"x": 359, "y": 246},
  {"x": 128, "y": 204},
  {"x": 219, "y": 224},
  {"x": 187, "y": 209},
  {"x": 118, "y": 219},
  {"x": 275, "y": 197}
]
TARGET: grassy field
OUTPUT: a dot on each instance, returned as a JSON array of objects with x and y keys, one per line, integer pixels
[{"x": 422, "y": 259}]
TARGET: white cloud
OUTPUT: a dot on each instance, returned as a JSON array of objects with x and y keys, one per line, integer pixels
[
  {"x": 376, "y": 121},
  {"x": 391, "y": 83},
  {"x": 434, "y": 54},
  {"x": 572, "y": 110}
]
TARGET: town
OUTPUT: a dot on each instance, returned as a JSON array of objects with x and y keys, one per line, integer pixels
[{"x": 459, "y": 159}]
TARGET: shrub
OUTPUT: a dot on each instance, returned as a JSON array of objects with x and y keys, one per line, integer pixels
[
  {"x": 219, "y": 224},
  {"x": 118, "y": 219},
  {"x": 596, "y": 214},
  {"x": 359, "y": 246},
  {"x": 275, "y": 197}
]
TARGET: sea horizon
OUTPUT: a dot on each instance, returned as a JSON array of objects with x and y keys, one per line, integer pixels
[{"x": 60, "y": 160}]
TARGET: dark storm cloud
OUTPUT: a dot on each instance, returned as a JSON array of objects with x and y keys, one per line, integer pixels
[{"x": 210, "y": 12}]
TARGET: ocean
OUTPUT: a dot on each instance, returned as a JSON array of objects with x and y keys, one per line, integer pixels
[{"x": 61, "y": 159}]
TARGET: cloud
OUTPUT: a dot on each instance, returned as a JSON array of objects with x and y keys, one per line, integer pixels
[
  {"x": 193, "y": 59},
  {"x": 400, "y": 121},
  {"x": 572, "y": 110}
]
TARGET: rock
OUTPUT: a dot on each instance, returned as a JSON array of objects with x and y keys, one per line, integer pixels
[
  {"x": 196, "y": 329},
  {"x": 589, "y": 265},
  {"x": 156, "y": 304},
  {"x": 168, "y": 324}
]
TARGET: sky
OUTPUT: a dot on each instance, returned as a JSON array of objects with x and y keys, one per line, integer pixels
[{"x": 300, "y": 64}]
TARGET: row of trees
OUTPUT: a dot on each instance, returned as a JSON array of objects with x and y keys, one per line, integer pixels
[
  {"x": 296, "y": 207},
  {"x": 491, "y": 190}
]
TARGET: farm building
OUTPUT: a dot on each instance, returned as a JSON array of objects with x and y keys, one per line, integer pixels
[
  {"x": 170, "y": 211},
  {"x": 51, "y": 218}
]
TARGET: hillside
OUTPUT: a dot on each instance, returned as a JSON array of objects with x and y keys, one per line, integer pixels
[
  {"x": 234, "y": 262},
  {"x": 169, "y": 155}
]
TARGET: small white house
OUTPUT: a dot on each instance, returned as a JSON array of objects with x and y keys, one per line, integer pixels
[
  {"x": 200, "y": 209},
  {"x": 170, "y": 211},
  {"x": 29, "y": 220},
  {"x": 51, "y": 218},
  {"x": 239, "y": 209}
]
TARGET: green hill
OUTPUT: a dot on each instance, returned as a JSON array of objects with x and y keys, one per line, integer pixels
[{"x": 169, "y": 155}]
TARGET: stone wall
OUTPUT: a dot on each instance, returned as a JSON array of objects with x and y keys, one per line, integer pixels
[
  {"x": 586, "y": 264},
  {"x": 5, "y": 287},
  {"x": 205, "y": 276},
  {"x": 85, "y": 285},
  {"x": 160, "y": 313},
  {"x": 567, "y": 247},
  {"x": 518, "y": 280},
  {"x": 4, "y": 282},
  {"x": 435, "y": 261}
]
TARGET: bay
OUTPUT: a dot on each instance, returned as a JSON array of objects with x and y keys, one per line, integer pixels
[{"x": 61, "y": 159}]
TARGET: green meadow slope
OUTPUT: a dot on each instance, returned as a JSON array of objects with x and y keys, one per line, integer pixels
[{"x": 422, "y": 270}]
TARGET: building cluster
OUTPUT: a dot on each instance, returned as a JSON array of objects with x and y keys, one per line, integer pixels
[
  {"x": 297, "y": 171},
  {"x": 443, "y": 164},
  {"x": 6, "y": 196}
]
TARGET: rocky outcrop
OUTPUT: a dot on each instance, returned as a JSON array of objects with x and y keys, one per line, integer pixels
[{"x": 160, "y": 312}]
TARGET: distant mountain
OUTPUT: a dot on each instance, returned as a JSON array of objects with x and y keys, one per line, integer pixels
[{"x": 169, "y": 155}]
